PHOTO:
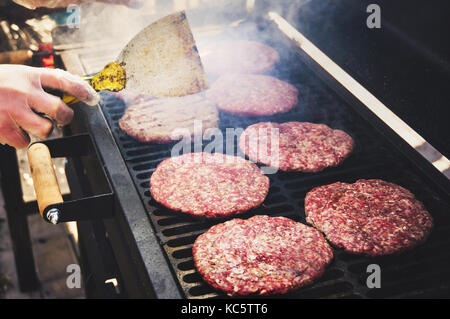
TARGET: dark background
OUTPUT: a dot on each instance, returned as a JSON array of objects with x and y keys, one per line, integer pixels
[{"x": 405, "y": 63}]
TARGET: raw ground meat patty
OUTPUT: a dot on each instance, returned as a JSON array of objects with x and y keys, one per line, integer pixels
[
  {"x": 239, "y": 57},
  {"x": 370, "y": 217},
  {"x": 261, "y": 256},
  {"x": 252, "y": 95},
  {"x": 209, "y": 185},
  {"x": 156, "y": 120},
  {"x": 302, "y": 146}
]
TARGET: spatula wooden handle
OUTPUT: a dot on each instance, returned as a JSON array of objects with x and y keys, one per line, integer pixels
[{"x": 44, "y": 176}]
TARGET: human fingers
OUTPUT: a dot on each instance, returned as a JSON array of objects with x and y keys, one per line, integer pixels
[
  {"x": 52, "y": 106},
  {"x": 32, "y": 122},
  {"x": 69, "y": 83},
  {"x": 12, "y": 134}
]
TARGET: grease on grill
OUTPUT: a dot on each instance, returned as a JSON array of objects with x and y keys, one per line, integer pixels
[{"x": 112, "y": 78}]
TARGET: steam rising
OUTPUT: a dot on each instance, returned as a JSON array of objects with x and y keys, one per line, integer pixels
[
  {"x": 111, "y": 27},
  {"x": 119, "y": 23}
]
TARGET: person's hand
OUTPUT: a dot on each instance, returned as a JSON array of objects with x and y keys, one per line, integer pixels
[
  {"x": 33, "y": 4},
  {"x": 22, "y": 94}
]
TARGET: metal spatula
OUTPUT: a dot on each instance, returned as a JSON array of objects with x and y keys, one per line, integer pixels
[{"x": 161, "y": 61}]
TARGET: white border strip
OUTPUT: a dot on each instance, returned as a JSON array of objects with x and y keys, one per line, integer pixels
[{"x": 362, "y": 94}]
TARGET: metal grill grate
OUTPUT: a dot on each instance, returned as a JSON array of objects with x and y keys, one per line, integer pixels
[{"x": 422, "y": 272}]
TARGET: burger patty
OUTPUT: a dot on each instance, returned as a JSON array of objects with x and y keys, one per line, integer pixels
[
  {"x": 370, "y": 217},
  {"x": 131, "y": 98},
  {"x": 157, "y": 120},
  {"x": 302, "y": 146},
  {"x": 261, "y": 256},
  {"x": 252, "y": 95},
  {"x": 209, "y": 185},
  {"x": 249, "y": 57}
]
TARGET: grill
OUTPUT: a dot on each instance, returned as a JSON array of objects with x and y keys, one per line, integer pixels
[{"x": 378, "y": 153}]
